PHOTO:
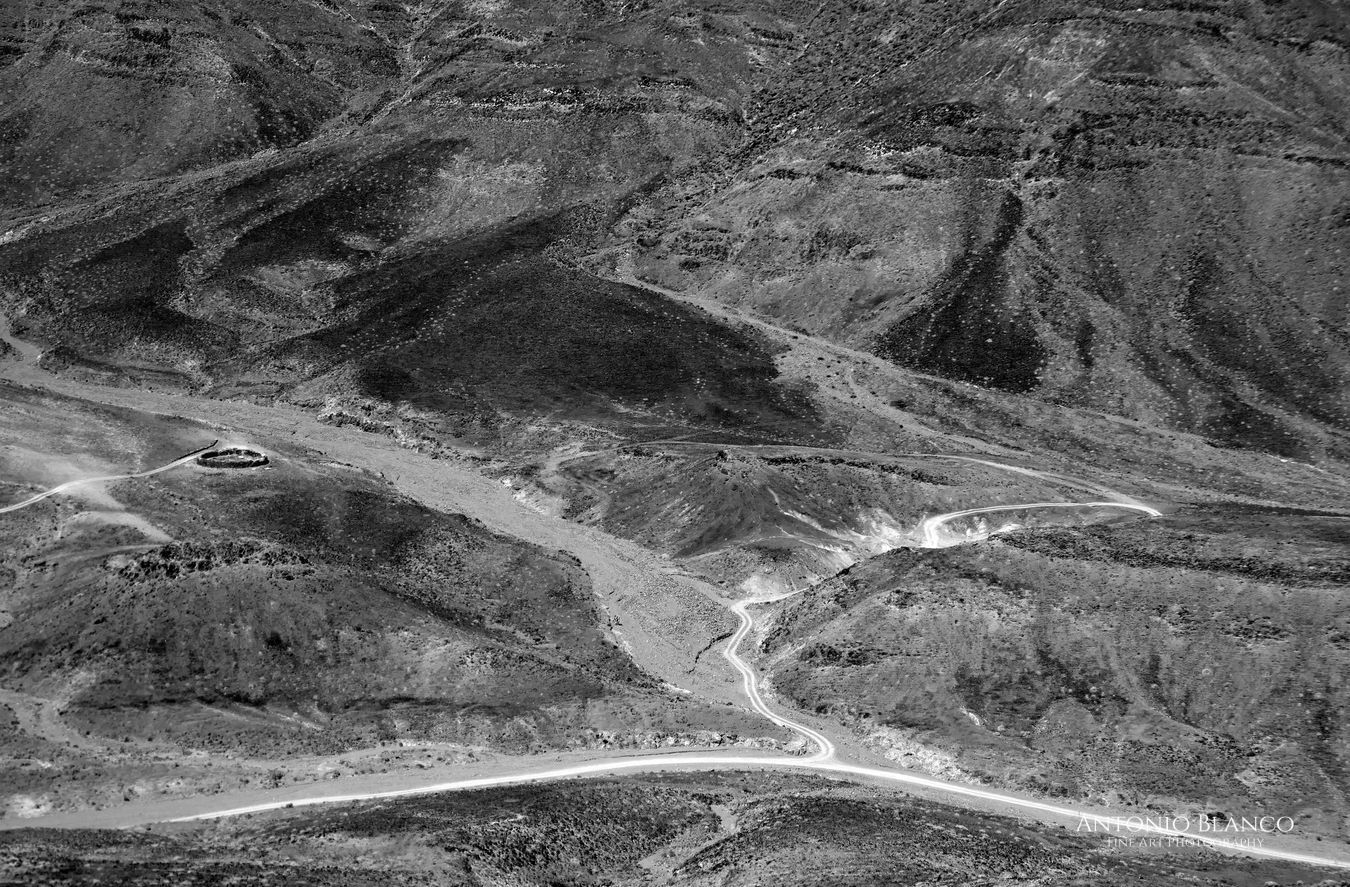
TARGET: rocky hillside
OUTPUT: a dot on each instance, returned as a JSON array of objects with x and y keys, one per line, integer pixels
[
  {"x": 306, "y": 608},
  {"x": 1196, "y": 659},
  {"x": 358, "y": 205},
  {"x": 790, "y": 516},
  {"x": 1137, "y": 209},
  {"x": 736, "y": 283}
]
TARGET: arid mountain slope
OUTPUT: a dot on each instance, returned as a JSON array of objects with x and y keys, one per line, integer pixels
[
  {"x": 414, "y": 257},
  {"x": 205, "y": 615},
  {"x": 152, "y": 89},
  {"x": 1101, "y": 245},
  {"x": 1199, "y": 658},
  {"x": 1140, "y": 209}
]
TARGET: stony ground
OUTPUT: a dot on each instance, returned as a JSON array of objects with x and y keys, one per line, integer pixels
[
  {"x": 674, "y": 830},
  {"x": 569, "y": 323}
]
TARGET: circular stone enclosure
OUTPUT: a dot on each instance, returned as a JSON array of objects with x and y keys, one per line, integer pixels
[{"x": 232, "y": 457}]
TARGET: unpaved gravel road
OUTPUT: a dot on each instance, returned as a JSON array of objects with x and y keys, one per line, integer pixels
[{"x": 665, "y": 615}]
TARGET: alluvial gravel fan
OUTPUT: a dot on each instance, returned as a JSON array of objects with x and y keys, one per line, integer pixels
[{"x": 639, "y": 442}]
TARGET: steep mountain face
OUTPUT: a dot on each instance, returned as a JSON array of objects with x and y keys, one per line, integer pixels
[
  {"x": 1089, "y": 248},
  {"x": 151, "y": 89},
  {"x": 1139, "y": 209},
  {"x": 394, "y": 226},
  {"x": 1134, "y": 208}
]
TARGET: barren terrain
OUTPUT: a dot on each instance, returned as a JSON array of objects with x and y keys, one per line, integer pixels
[{"x": 787, "y": 443}]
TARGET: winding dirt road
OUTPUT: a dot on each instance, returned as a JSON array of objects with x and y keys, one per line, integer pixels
[
  {"x": 1117, "y": 825},
  {"x": 825, "y": 749},
  {"x": 823, "y": 761}
]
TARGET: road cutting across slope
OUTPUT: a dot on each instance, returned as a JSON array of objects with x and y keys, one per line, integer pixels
[
  {"x": 823, "y": 761},
  {"x": 462, "y": 489},
  {"x": 558, "y": 459},
  {"x": 1088, "y": 822},
  {"x": 930, "y": 529},
  {"x": 85, "y": 481},
  {"x": 824, "y": 747}
]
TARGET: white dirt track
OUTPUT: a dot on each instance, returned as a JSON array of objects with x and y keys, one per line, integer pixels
[
  {"x": 86, "y": 481},
  {"x": 822, "y": 761}
]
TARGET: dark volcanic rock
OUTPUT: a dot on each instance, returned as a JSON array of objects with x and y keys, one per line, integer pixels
[
  {"x": 1091, "y": 203},
  {"x": 1132, "y": 208},
  {"x": 422, "y": 246},
  {"x": 104, "y": 92}
]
